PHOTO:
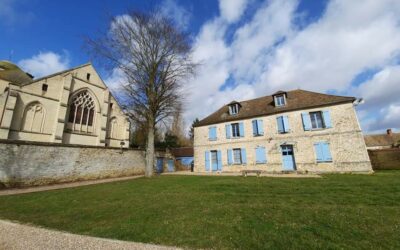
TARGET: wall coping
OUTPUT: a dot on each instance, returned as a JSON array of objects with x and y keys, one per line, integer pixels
[{"x": 54, "y": 144}]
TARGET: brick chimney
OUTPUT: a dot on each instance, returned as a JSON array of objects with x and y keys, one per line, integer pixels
[{"x": 389, "y": 131}]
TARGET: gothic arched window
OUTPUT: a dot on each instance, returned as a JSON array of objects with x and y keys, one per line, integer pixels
[
  {"x": 82, "y": 112},
  {"x": 34, "y": 116}
]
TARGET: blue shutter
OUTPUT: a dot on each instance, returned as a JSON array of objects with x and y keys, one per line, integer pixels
[
  {"x": 230, "y": 161},
  {"x": 219, "y": 160},
  {"x": 326, "y": 151},
  {"x": 327, "y": 119},
  {"x": 319, "y": 151},
  {"x": 279, "y": 121},
  {"x": 260, "y": 155},
  {"x": 306, "y": 121},
  {"x": 212, "y": 133},
  {"x": 244, "y": 158},
  {"x": 260, "y": 125},
  {"x": 228, "y": 131},
  {"x": 286, "y": 123},
  {"x": 255, "y": 132},
  {"x": 241, "y": 129},
  {"x": 207, "y": 157}
]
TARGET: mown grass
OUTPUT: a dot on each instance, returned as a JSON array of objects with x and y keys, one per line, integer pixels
[{"x": 334, "y": 212}]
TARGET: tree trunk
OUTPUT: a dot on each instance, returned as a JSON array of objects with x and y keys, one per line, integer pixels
[{"x": 150, "y": 150}]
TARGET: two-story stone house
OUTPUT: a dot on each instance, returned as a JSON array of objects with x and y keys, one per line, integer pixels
[{"x": 288, "y": 131}]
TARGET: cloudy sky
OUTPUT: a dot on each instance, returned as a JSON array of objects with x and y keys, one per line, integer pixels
[{"x": 246, "y": 48}]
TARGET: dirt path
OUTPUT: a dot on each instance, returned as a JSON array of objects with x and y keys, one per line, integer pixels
[
  {"x": 64, "y": 185},
  {"x": 15, "y": 236}
]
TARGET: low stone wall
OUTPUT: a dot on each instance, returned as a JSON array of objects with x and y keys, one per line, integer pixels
[
  {"x": 385, "y": 159},
  {"x": 28, "y": 164}
]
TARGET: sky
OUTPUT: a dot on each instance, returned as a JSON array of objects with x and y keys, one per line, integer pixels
[{"x": 245, "y": 48}]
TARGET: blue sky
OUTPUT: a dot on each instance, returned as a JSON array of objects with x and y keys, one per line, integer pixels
[{"x": 247, "y": 48}]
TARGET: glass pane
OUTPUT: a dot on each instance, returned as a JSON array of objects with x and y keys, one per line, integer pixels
[{"x": 237, "y": 158}]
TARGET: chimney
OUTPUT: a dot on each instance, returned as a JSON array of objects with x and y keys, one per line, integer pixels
[{"x": 389, "y": 131}]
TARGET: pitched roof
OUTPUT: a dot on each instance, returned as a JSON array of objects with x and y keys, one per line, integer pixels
[
  {"x": 182, "y": 152},
  {"x": 381, "y": 139},
  {"x": 296, "y": 100}
]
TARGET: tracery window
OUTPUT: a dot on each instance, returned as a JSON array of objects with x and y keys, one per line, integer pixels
[
  {"x": 82, "y": 112},
  {"x": 34, "y": 116}
]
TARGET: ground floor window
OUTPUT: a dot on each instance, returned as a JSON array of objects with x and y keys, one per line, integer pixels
[
  {"x": 237, "y": 156},
  {"x": 214, "y": 157}
]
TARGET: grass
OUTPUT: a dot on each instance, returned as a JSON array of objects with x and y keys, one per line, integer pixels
[{"x": 334, "y": 212}]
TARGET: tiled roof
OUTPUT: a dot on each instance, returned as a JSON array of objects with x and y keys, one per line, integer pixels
[
  {"x": 182, "y": 152},
  {"x": 295, "y": 100},
  {"x": 381, "y": 139}
]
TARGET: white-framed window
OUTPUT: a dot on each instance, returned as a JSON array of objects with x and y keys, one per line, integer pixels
[
  {"x": 280, "y": 100},
  {"x": 235, "y": 130},
  {"x": 237, "y": 156},
  {"x": 316, "y": 120},
  {"x": 234, "y": 109},
  {"x": 214, "y": 157}
]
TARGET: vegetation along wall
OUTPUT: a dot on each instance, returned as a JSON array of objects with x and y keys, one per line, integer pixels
[
  {"x": 26, "y": 164},
  {"x": 385, "y": 158}
]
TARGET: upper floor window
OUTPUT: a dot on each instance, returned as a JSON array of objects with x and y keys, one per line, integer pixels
[
  {"x": 235, "y": 130},
  {"x": 88, "y": 76},
  {"x": 316, "y": 120},
  {"x": 81, "y": 112},
  {"x": 234, "y": 108},
  {"x": 283, "y": 124},
  {"x": 258, "y": 127},
  {"x": 212, "y": 133},
  {"x": 280, "y": 100}
]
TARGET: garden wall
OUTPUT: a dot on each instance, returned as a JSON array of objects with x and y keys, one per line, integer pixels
[
  {"x": 27, "y": 163},
  {"x": 385, "y": 158}
]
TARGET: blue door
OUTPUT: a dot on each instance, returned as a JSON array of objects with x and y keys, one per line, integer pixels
[
  {"x": 288, "y": 158},
  {"x": 160, "y": 164},
  {"x": 170, "y": 165}
]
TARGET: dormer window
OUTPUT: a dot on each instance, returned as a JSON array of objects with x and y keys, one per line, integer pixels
[
  {"x": 234, "y": 108},
  {"x": 279, "y": 98}
]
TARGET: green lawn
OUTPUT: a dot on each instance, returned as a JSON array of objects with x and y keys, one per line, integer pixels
[{"x": 337, "y": 211}]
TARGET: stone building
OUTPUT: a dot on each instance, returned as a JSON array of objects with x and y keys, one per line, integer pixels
[
  {"x": 70, "y": 107},
  {"x": 383, "y": 141},
  {"x": 288, "y": 131}
]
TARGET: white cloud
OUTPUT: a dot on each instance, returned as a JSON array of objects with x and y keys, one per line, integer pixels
[
  {"x": 115, "y": 81},
  {"x": 45, "y": 63},
  {"x": 232, "y": 10},
  {"x": 270, "y": 51},
  {"x": 178, "y": 13}
]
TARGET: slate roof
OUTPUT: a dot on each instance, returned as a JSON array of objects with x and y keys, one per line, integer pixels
[
  {"x": 381, "y": 139},
  {"x": 295, "y": 100}
]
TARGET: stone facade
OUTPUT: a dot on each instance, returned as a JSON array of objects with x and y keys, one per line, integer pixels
[
  {"x": 345, "y": 140},
  {"x": 27, "y": 164},
  {"x": 69, "y": 107}
]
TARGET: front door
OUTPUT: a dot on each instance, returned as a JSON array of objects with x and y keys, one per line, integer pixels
[
  {"x": 160, "y": 164},
  {"x": 288, "y": 158},
  {"x": 170, "y": 165}
]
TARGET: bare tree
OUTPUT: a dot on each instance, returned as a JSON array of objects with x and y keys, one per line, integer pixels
[{"x": 155, "y": 58}]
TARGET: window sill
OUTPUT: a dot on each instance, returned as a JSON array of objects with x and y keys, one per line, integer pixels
[
  {"x": 324, "y": 162},
  {"x": 212, "y": 139},
  {"x": 259, "y": 163},
  {"x": 258, "y": 135}
]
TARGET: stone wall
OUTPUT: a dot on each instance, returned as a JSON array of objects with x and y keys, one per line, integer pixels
[
  {"x": 27, "y": 164},
  {"x": 346, "y": 141},
  {"x": 385, "y": 159}
]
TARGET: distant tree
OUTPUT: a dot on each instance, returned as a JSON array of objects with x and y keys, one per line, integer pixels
[
  {"x": 155, "y": 58},
  {"x": 191, "y": 131}
]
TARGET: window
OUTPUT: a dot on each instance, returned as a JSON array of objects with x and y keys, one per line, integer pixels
[
  {"x": 234, "y": 109},
  {"x": 283, "y": 124},
  {"x": 280, "y": 100},
  {"x": 235, "y": 130},
  {"x": 258, "y": 127},
  {"x": 81, "y": 112},
  {"x": 322, "y": 151},
  {"x": 88, "y": 76},
  {"x": 260, "y": 155},
  {"x": 236, "y": 156},
  {"x": 212, "y": 133},
  {"x": 34, "y": 117},
  {"x": 113, "y": 128},
  {"x": 316, "y": 120},
  {"x": 45, "y": 87},
  {"x": 214, "y": 157}
]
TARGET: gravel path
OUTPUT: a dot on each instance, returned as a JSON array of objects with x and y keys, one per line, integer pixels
[
  {"x": 15, "y": 236},
  {"x": 64, "y": 185}
]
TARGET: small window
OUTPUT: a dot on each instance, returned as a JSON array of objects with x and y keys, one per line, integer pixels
[
  {"x": 88, "y": 76},
  {"x": 280, "y": 100},
  {"x": 111, "y": 105},
  {"x": 237, "y": 156},
  {"x": 235, "y": 130},
  {"x": 317, "y": 121},
  {"x": 44, "y": 87},
  {"x": 214, "y": 157},
  {"x": 234, "y": 109},
  {"x": 258, "y": 129}
]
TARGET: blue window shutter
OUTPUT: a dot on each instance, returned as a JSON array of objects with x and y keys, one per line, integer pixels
[
  {"x": 230, "y": 161},
  {"x": 241, "y": 129},
  {"x": 255, "y": 132},
  {"x": 326, "y": 151},
  {"x": 244, "y": 158},
  {"x": 306, "y": 121},
  {"x": 286, "y": 123},
  {"x": 260, "y": 155},
  {"x": 279, "y": 121},
  {"x": 219, "y": 155},
  {"x": 215, "y": 133},
  {"x": 228, "y": 131},
  {"x": 212, "y": 133},
  {"x": 319, "y": 152},
  {"x": 207, "y": 157},
  {"x": 260, "y": 127},
  {"x": 327, "y": 119}
]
